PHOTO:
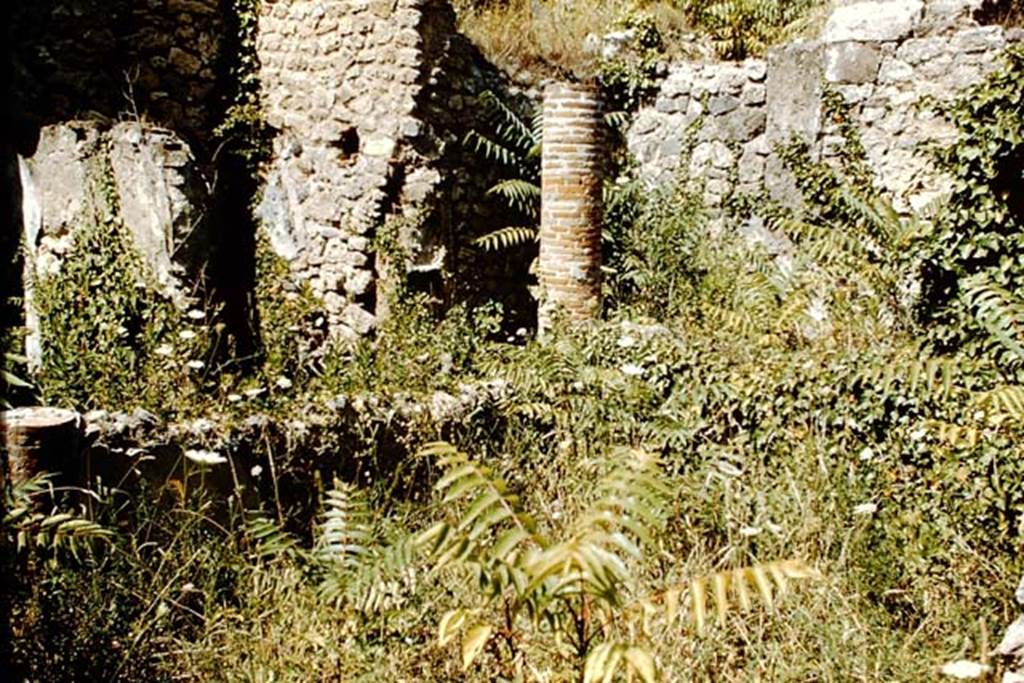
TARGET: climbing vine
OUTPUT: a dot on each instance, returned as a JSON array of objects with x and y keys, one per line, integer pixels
[
  {"x": 243, "y": 128},
  {"x": 979, "y": 231}
]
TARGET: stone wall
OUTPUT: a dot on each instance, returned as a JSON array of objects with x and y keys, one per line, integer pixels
[
  {"x": 356, "y": 90},
  {"x": 159, "y": 194},
  {"x": 158, "y": 60},
  {"x": 368, "y": 100},
  {"x": 882, "y": 57}
]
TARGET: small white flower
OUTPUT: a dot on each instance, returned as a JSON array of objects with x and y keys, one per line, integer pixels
[
  {"x": 817, "y": 310},
  {"x": 188, "y": 587},
  {"x": 521, "y": 332},
  {"x": 196, "y": 314},
  {"x": 866, "y": 454},
  {"x": 283, "y": 383},
  {"x": 234, "y": 398},
  {"x": 965, "y": 669},
  {"x": 631, "y": 369},
  {"x": 196, "y": 364},
  {"x": 728, "y": 469},
  {"x": 187, "y": 334},
  {"x": 865, "y": 509},
  {"x": 203, "y": 457},
  {"x": 625, "y": 341},
  {"x": 256, "y": 470},
  {"x": 749, "y": 531},
  {"x": 122, "y": 330},
  {"x": 164, "y": 350}
]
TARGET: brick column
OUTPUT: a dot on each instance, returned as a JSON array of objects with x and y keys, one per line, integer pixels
[{"x": 570, "y": 223}]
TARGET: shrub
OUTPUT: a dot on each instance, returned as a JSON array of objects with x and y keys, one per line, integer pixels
[{"x": 107, "y": 335}]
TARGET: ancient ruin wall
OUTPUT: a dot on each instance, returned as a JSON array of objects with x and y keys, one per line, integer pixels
[
  {"x": 723, "y": 120},
  {"x": 109, "y": 60},
  {"x": 342, "y": 83},
  {"x": 369, "y": 101}
]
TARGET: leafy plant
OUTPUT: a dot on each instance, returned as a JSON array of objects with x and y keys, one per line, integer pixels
[
  {"x": 630, "y": 77},
  {"x": 10, "y": 379},
  {"x": 513, "y": 142},
  {"x": 980, "y": 228},
  {"x": 741, "y": 28},
  {"x": 575, "y": 596},
  {"x": 54, "y": 532}
]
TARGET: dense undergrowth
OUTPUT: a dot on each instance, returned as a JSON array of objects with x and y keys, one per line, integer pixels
[{"x": 832, "y": 427}]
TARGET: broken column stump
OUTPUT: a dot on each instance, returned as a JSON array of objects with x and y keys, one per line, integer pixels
[{"x": 40, "y": 439}]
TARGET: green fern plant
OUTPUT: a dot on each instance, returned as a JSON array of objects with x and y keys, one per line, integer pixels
[
  {"x": 54, "y": 532},
  {"x": 513, "y": 141},
  {"x": 577, "y": 592},
  {"x": 355, "y": 570}
]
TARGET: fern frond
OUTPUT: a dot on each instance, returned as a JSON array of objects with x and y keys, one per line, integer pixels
[
  {"x": 955, "y": 435},
  {"x": 510, "y": 126},
  {"x": 876, "y": 214},
  {"x": 931, "y": 377},
  {"x": 268, "y": 540},
  {"x": 605, "y": 660},
  {"x": 617, "y": 120},
  {"x": 1003, "y": 404},
  {"x": 768, "y": 581},
  {"x": 346, "y": 531},
  {"x": 56, "y": 531},
  {"x": 1000, "y": 312},
  {"x": 493, "y": 150},
  {"x": 522, "y": 195},
  {"x": 492, "y": 525}
]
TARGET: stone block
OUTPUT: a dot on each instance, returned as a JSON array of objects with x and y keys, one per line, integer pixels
[
  {"x": 794, "y": 83},
  {"x": 743, "y": 124},
  {"x": 895, "y": 71},
  {"x": 850, "y": 62},
  {"x": 917, "y": 50},
  {"x": 379, "y": 146},
  {"x": 754, "y": 94},
  {"x": 981, "y": 39},
  {"x": 722, "y": 104},
  {"x": 873, "y": 21}
]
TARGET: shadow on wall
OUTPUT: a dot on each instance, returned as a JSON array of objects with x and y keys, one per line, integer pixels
[
  {"x": 164, "y": 65},
  {"x": 465, "y": 209}
]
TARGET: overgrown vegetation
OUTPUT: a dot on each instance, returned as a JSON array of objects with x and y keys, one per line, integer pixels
[
  {"x": 538, "y": 38},
  {"x": 743, "y": 418},
  {"x": 106, "y": 334}
]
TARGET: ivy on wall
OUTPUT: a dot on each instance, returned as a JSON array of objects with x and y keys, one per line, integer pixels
[{"x": 980, "y": 231}]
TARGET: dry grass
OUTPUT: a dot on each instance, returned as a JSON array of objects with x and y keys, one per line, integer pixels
[{"x": 538, "y": 38}]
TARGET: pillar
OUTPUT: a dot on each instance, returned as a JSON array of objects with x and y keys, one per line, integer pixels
[{"x": 569, "y": 266}]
